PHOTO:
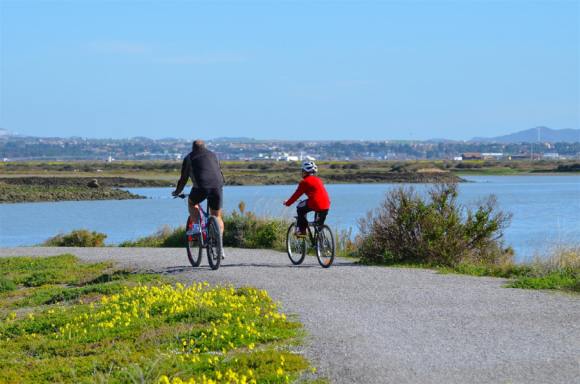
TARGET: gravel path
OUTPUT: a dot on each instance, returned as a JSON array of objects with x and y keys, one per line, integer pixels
[{"x": 388, "y": 325}]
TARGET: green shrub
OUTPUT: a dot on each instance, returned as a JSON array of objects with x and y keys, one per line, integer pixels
[
  {"x": 407, "y": 228},
  {"x": 468, "y": 165},
  {"x": 77, "y": 238},
  {"x": 574, "y": 167},
  {"x": 165, "y": 237},
  {"x": 175, "y": 239},
  {"x": 246, "y": 230}
]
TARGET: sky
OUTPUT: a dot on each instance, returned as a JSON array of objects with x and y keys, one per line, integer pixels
[{"x": 301, "y": 70}]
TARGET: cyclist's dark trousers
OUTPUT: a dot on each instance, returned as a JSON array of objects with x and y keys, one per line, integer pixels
[
  {"x": 214, "y": 196},
  {"x": 302, "y": 209}
]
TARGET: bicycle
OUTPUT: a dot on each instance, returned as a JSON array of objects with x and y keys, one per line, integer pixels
[
  {"x": 208, "y": 237},
  {"x": 319, "y": 237}
]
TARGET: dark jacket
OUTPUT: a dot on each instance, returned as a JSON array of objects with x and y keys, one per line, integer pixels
[{"x": 203, "y": 167}]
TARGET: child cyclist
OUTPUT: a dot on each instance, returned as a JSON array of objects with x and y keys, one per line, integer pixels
[{"x": 317, "y": 201}]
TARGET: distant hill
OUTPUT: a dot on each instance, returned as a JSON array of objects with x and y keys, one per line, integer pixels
[
  {"x": 532, "y": 135},
  {"x": 4, "y": 132}
]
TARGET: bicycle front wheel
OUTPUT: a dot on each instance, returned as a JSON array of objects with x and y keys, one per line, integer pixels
[
  {"x": 295, "y": 246},
  {"x": 325, "y": 247},
  {"x": 214, "y": 243},
  {"x": 194, "y": 251}
]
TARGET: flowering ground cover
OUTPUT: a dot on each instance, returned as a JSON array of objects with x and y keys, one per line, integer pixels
[{"x": 68, "y": 322}]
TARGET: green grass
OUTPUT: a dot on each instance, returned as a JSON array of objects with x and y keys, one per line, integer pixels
[
  {"x": 559, "y": 271},
  {"x": 504, "y": 271},
  {"x": 6, "y": 285},
  {"x": 559, "y": 280},
  {"x": 37, "y": 271},
  {"x": 87, "y": 323}
]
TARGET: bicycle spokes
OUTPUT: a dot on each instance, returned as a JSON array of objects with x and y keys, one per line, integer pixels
[
  {"x": 295, "y": 246},
  {"x": 325, "y": 246},
  {"x": 214, "y": 244}
]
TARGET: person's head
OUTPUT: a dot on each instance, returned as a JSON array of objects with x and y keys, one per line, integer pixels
[
  {"x": 198, "y": 145},
  {"x": 308, "y": 168}
]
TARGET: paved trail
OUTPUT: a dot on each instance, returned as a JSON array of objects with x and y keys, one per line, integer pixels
[{"x": 387, "y": 325}]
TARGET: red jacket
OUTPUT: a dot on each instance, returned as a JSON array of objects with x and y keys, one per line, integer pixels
[{"x": 313, "y": 188}]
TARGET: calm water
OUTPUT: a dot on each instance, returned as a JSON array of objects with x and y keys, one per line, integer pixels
[{"x": 545, "y": 210}]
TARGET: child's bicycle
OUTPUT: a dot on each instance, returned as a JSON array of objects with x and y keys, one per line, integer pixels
[
  {"x": 318, "y": 236},
  {"x": 206, "y": 235}
]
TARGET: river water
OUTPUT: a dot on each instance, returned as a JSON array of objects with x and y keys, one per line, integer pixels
[{"x": 546, "y": 210}]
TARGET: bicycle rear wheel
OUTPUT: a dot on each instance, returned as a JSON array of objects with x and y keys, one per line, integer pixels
[
  {"x": 325, "y": 246},
  {"x": 194, "y": 251},
  {"x": 214, "y": 244},
  {"x": 295, "y": 246}
]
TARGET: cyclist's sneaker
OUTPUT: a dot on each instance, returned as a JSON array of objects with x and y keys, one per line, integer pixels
[{"x": 299, "y": 233}]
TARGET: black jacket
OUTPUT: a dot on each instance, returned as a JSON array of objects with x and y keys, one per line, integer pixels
[{"x": 203, "y": 168}]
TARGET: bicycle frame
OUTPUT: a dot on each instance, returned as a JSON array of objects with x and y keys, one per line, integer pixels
[
  {"x": 203, "y": 219},
  {"x": 311, "y": 224}
]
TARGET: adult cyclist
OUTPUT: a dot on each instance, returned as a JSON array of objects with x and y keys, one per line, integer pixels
[
  {"x": 203, "y": 168},
  {"x": 317, "y": 201}
]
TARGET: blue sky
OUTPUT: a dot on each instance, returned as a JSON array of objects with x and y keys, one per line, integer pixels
[{"x": 288, "y": 70}]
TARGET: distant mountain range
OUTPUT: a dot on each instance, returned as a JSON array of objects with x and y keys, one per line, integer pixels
[{"x": 533, "y": 135}]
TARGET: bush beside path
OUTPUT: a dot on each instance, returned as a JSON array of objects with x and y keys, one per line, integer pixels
[{"x": 392, "y": 325}]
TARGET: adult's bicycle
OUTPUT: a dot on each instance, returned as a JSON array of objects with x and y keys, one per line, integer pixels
[
  {"x": 206, "y": 236},
  {"x": 318, "y": 237}
]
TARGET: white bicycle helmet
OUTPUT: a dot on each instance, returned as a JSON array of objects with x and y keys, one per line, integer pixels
[{"x": 309, "y": 167}]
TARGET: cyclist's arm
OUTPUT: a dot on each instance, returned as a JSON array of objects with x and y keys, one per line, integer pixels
[
  {"x": 183, "y": 179},
  {"x": 299, "y": 191}
]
